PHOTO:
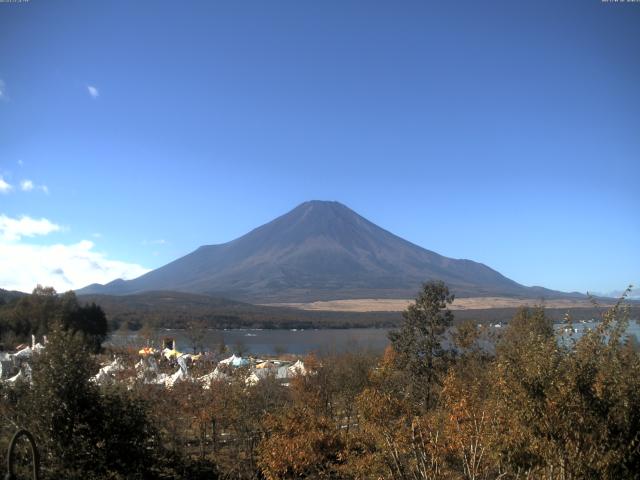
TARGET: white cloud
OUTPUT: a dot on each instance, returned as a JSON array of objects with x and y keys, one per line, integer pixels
[
  {"x": 3, "y": 92},
  {"x": 13, "y": 229},
  {"x": 28, "y": 185},
  {"x": 62, "y": 266},
  {"x": 20, "y": 162},
  {"x": 93, "y": 91},
  {"x": 4, "y": 186}
]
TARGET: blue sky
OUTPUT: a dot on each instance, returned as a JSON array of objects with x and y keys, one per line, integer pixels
[{"x": 504, "y": 132}]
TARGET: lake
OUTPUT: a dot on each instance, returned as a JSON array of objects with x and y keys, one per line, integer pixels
[
  {"x": 300, "y": 342},
  {"x": 272, "y": 341}
]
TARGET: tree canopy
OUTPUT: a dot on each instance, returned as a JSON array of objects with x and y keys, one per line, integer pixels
[
  {"x": 418, "y": 342},
  {"x": 35, "y": 314}
]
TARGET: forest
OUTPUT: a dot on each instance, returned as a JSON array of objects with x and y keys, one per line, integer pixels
[
  {"x": 533, "y": 407},
  {"x": 157, "y": 310}
]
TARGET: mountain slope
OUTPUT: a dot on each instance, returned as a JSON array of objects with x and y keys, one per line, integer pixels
[
  {"x": 9, "y": 295},
  {"x": 318, "y": 251}
]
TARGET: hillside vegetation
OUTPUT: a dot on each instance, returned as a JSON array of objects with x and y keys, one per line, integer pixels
[
  {"x": 532, "y": 408},
  {"x": 176, "y": 310},
  {"x": 19, "y": 317}
]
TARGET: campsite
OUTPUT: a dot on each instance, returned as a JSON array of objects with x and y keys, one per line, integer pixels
[{"x": 319, "y": 240}]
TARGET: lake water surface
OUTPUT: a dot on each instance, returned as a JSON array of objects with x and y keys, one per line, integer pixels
[
  {"x": 278, "y": 341},
  {"x": 272, "y": 342}
]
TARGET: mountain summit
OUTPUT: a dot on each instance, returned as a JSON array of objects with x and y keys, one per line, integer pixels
[{"x": 319, "y": 251}]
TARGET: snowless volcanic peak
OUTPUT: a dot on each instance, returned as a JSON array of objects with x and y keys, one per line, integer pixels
[{"x": 320, "y": 250}]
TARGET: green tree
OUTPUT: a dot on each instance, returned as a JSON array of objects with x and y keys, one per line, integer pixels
[
  {"x": 419, "y": 340},
  {"x": 34, "y": 314},
  {"x": 30, "y": 314},
  {"x": 83, "y": 432},
  {"x": 128, "y": 446},
  {"x": 64, "y": 405},
  {"x": 87, "y": 320}
]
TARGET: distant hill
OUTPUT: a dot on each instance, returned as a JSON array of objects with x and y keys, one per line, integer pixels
[
  {"x": 8, "y": 295},
  {"x": 319, "y": 251},
  {"x": 178, "y": 310}
]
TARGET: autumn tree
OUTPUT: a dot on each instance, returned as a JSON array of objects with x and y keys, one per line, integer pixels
[
  {"x": 392, "y": 441},
  {"x": 469, "y": 420},
  {"x": 304, "y": 438},
  {"x": 568, "y": 410},
  {"x": 196, "y": 331}
]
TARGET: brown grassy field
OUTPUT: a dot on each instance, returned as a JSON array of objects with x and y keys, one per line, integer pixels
[{"x": 397, "y": 305}]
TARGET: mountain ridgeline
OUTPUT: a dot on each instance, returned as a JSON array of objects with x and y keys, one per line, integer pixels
[{"x": 319, "y": 251}]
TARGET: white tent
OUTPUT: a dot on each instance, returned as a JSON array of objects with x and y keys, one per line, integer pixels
[
  {"x": 257, "y": 375},
  {"x": 252, "y": 379},
  {"x": 166, "y": 353},
  {"x": 23, "y": 354},
  {"x": 140, "y": 366},
  {"x": 240, "y": 362},
  {"x": 105, "y": 374},
  {"x": 24, "y": 374},
  {"x": 235, "y": 361},
  {"x": 160, "y": 379},
  {"x": 228, "y": 361},
  {"x": 298, "y": 368},
  {"x": 153, "y": 365},
  {"x": 16, "y": 377},
  {"x": 101, "y": 378},
  {"x": 183, "y": 364},
  {"x": 206, "y": 380},
  {"x": 178, "y": 376}
]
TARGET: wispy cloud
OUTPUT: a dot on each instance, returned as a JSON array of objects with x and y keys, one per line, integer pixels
[
  {"x": 4, "y": 186},
  {"x": 634, "y": 294},
  {"x": 27, "y": 185},
  {"x": 160, "y": 241},
  {"x": 3, "y": 91},
  {"x": 63, "y": 266},
  {"x": 93, "y": 91},
  {"x": 13, "y": 229}
]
